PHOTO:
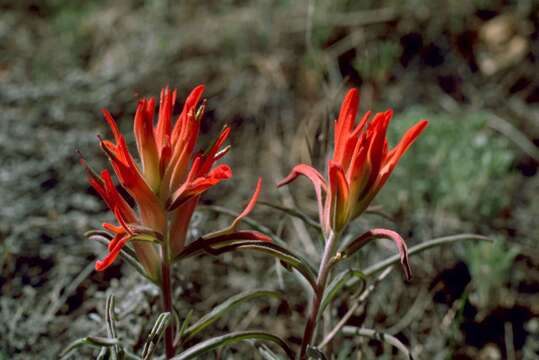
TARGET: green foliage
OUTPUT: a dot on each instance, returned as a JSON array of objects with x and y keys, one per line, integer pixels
[
  {"x": 490, "y": 266},
  {"x": 457, "y": 166},
  {"x": 225, "y": 307}
]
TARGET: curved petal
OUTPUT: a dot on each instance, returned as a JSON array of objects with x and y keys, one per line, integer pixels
[
  {"x": 372, "y": 234},
  {"x": 145, "y": 139},
  {"x": 312, "y": 174},
  {"x": 199, "y": 185},
  {"x": 164, "y": 125},
  {"x": 250, "y": 206},
  {"x": 101, "y": 265},
  {"x": 190, "y": 103},
  {"x": 344, "y": 123},
  {"x": 407, "y": 140}
]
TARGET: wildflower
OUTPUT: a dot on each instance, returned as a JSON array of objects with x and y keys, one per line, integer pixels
[
  {"x": 360, "y": 166},
  {"x": 168, "y": 185}
]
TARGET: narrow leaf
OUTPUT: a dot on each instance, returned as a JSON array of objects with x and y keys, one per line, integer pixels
[
  {"x": 287, "y": 258},
  {"x": 116, "y": 351},
  {"x": 95, "y": 341},
  {"x": 338, "y": 283},
  {"x": 220, "y": 310},
  {"x": 185, "y": 323},
  {"x": 232, "y": 338},
  {"x": 155, "y": 335}
]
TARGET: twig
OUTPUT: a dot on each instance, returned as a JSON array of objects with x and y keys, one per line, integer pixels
[{"x": 360, "y": 300}]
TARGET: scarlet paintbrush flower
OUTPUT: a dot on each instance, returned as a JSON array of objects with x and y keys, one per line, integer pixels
[
  {"x": 167, "y": 187},
  {"x": 360, "y": 166}
]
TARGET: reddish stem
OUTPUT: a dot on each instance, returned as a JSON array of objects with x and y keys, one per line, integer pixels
[{"x": 323, "y": 272}]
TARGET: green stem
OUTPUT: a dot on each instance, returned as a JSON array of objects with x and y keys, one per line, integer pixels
[
  {"x": 323, "y": 273},
  {"x": 166, "y": 292}
]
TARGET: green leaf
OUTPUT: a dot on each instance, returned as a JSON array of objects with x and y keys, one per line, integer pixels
[
  {"x": 232, "y": 338},
  {"x": 338, "y": 283},
  {"x": 295, "y": 213},
  {"x": 95, "y": 341},
  {"x": 220, "y": 310},
  {"x": 185, "y": 323},
  {"x": 155, "y": 335},
  {"x": 117, "y": 351},
  {"x": 217, "y": 247}
]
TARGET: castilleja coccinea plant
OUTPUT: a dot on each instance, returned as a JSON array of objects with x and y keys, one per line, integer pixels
[
  {"x": 360, "y": 165},
  {"x": 166, "y": 187},
  {"x": 167, "y": 181}
]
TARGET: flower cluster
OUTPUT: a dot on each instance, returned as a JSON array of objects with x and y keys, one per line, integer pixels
[
  {"x": 360, "y": 166},
  {"x": 168, "y": 185}
]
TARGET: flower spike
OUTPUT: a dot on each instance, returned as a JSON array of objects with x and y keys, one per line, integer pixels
[
  {"x": 169, "y": 183},
  {"x": 360, "y": 165}
]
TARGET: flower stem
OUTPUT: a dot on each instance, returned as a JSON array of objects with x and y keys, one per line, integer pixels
[
  {"x": 323, "y": 272},
  {"x": 166, "y": 293}
]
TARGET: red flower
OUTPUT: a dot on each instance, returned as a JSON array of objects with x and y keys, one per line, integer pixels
[
  {"x": 167, "y": 187},
  {"x": 360, "y": 166}
]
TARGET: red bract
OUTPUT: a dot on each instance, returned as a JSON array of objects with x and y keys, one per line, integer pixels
[
  {"x": 167, "y": 187},
  {"x": 360, "y": 166}
]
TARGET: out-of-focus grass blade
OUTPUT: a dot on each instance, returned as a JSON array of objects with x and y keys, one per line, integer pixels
[
  {"x": 127, "y": 253},
  {"x": 267, "y": 354},
  {"x": 232, "y": 338},
  {"x": 250, "y": 221},
  {"x": 220, "y": 310},
  {"x": 338, "y": 283},
  {"x": 95, "y": 341},
  {"x": 155, "y": 335},
  {"x": 373, "y": 334},
  {"x": 295, "y": 213}
]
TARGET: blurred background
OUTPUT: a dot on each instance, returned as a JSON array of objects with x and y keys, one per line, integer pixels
[{"x": 276, "y": 71}]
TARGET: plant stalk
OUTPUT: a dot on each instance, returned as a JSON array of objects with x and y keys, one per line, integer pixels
[
  {"x": 166, "y": 292},
  {"x": 323, "y": 272}
]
